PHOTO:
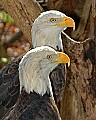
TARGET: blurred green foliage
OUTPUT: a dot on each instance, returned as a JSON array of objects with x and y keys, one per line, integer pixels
[{"x": 6, "y": 17}]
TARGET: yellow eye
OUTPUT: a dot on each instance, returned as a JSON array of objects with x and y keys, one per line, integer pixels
[
  {"x": 49, "y": 56},
  {"x": 53, "y": 19}
]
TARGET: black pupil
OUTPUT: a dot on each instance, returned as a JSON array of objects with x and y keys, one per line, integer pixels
[
  {"x": 49, "y": 56},
  {"x": 54, "y": 19}
]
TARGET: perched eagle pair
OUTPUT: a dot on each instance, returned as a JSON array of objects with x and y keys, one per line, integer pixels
[{"x": 32, "y": 75}]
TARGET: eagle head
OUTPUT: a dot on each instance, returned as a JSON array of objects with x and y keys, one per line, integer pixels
[{"x": 35, "y": 67}]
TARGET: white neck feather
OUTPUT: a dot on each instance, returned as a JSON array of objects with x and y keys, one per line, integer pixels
[
  {"x": 33, "y": 77},
  {"x": 46, "y": 36}
]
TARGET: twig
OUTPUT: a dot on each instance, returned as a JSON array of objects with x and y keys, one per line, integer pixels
[
  {"x": 83, "y": 20},
  {"x": 69, "y": 38}
]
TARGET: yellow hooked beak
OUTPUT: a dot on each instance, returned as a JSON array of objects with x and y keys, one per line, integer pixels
[
  {"x": 63, "y": 58},
  {"x": 66, "y": 22}
]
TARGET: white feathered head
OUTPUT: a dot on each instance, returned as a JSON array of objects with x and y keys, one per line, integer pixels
[
  {"x": 35, "y": 67},
  {"x": 47, "y": 28}
]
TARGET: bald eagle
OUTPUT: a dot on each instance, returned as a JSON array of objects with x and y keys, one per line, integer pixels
[
  {"x": 34, "y": 69},
  {"x": 46, "y": 30}
]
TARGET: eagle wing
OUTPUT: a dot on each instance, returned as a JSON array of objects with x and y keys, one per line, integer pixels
[
  {"x": 9, "y": 86},
  {"x": 37, "y": 108},
  {"x": 41, "y": 109},
  {"x": 57, "y": 77}
]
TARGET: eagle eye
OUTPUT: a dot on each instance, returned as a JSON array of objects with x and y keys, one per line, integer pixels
[
  {"x": 52, "y": 19},
  {"x": 49, "y": 56}
]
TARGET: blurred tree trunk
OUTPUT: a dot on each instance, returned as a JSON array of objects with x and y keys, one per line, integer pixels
[
  {"x": 24, "y": 12},
  {"x": 79, "y": 98}
]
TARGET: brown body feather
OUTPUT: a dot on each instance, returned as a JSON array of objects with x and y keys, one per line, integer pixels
[
  {"x": 35, "y": 107},
  {"x": 10, "y": 88}
]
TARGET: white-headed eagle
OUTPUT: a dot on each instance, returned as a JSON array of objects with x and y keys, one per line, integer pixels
[
  {"x": 34, "y": 70},
  {"x": 46, "y": 31}
]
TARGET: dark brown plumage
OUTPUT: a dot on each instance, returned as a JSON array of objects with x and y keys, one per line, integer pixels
[
  {"x": 9, "y": 88},
  {"x": 35, "y": 107}
]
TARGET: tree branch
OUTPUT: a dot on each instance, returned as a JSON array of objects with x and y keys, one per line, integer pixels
[{"x": 83, "y": 21}]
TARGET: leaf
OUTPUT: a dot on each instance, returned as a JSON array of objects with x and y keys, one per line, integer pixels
[{"x": 6, "y": 17}]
